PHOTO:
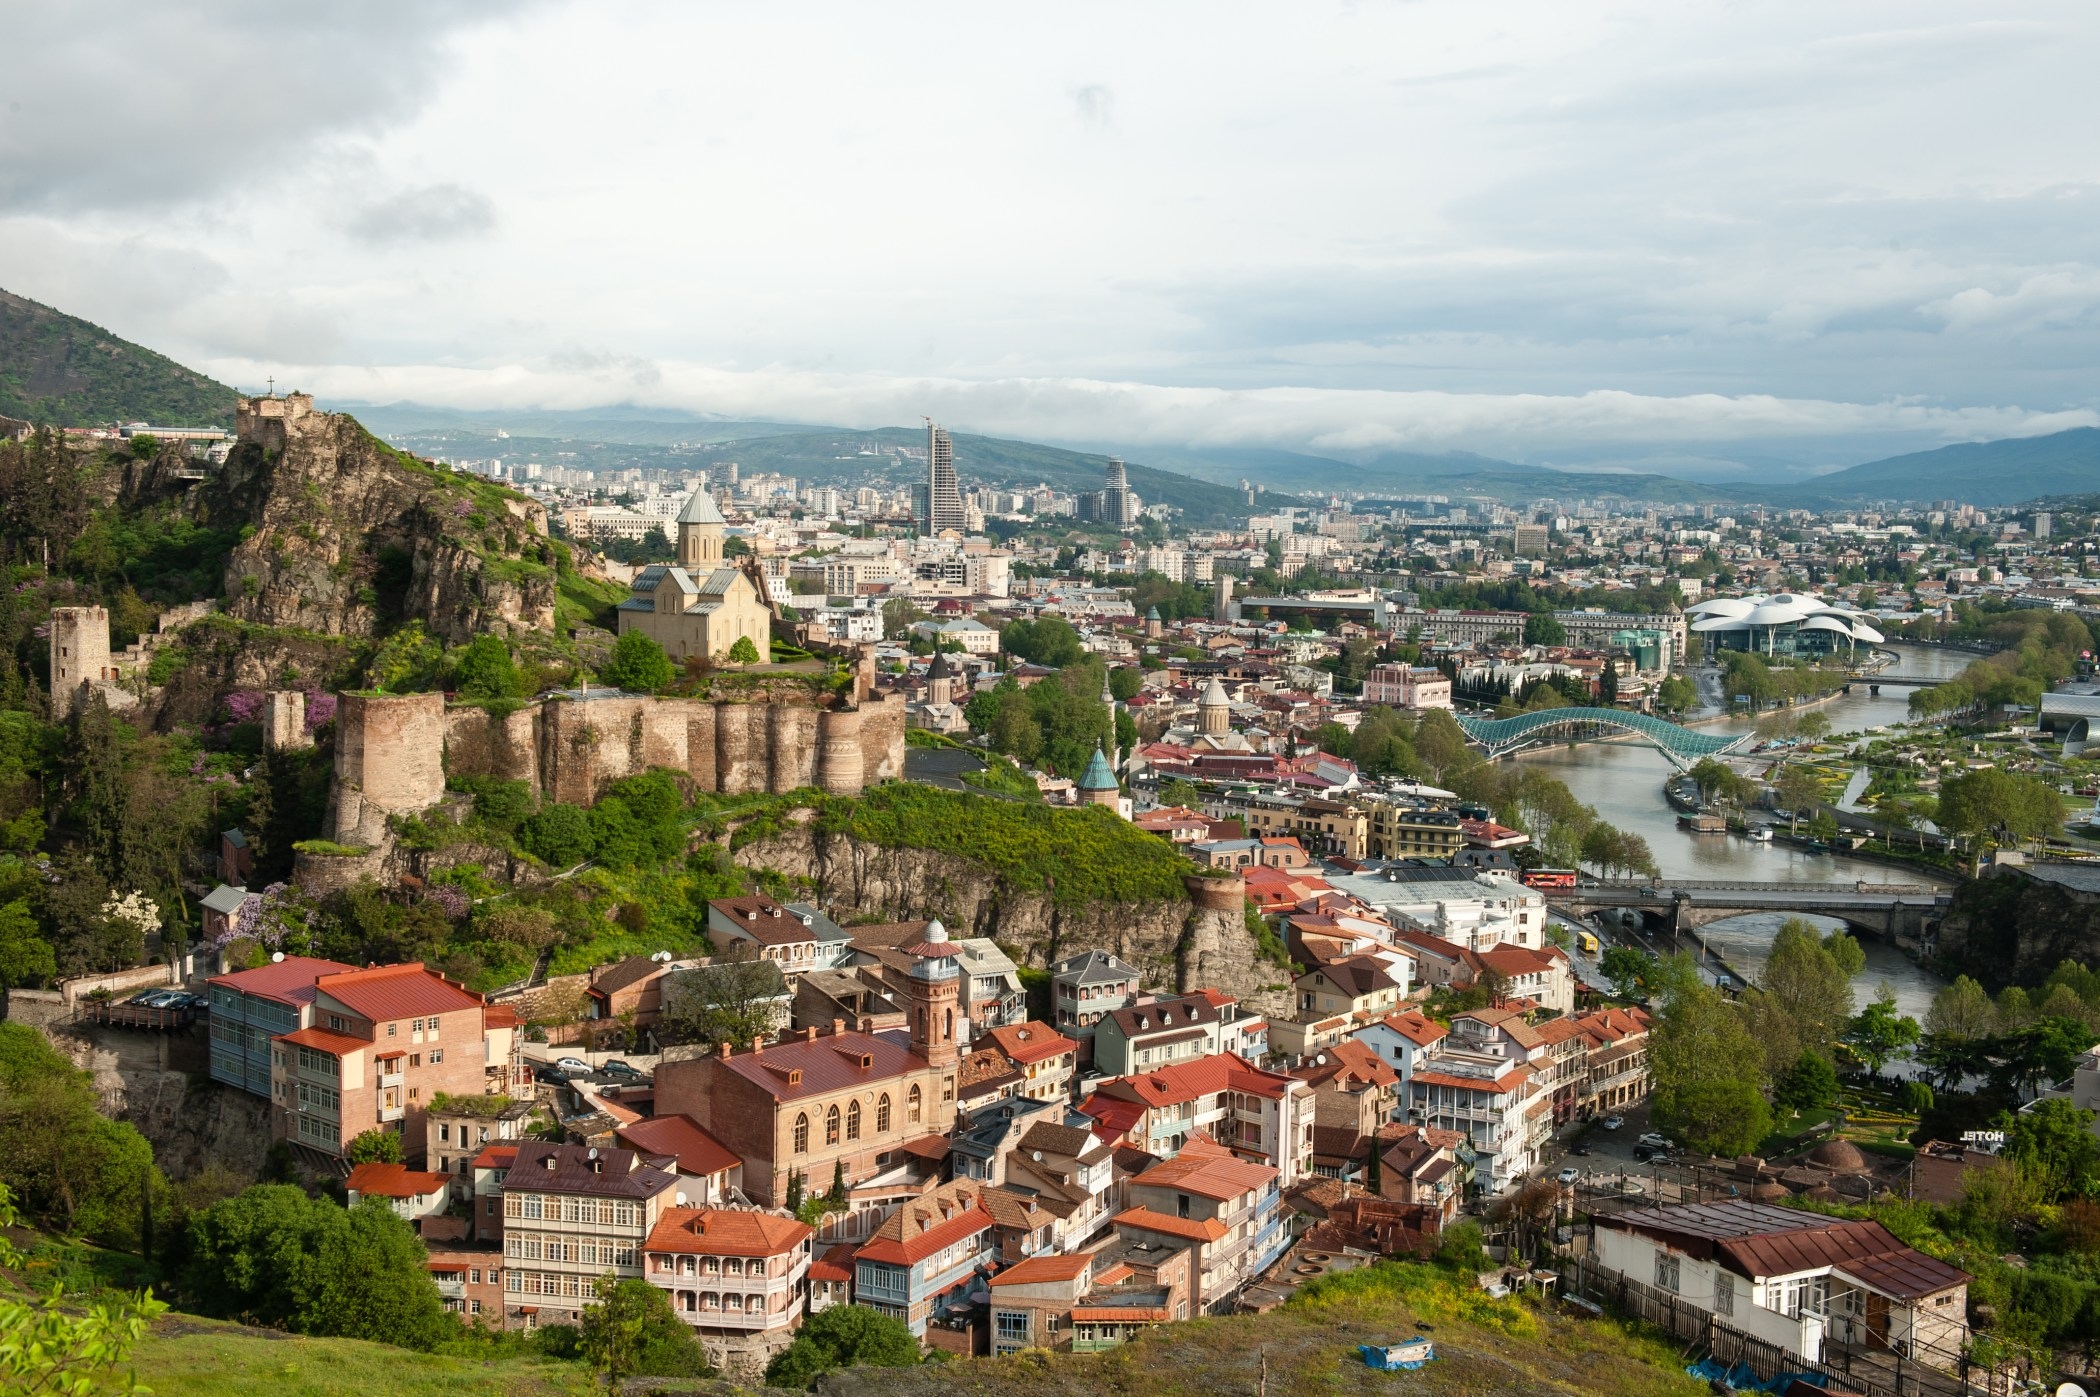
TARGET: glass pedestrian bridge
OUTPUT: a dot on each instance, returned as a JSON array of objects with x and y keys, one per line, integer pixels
[{"x": 1683, "y": 746}]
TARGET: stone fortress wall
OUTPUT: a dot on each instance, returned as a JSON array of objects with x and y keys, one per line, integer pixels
[{"x": 394, "y": 752}]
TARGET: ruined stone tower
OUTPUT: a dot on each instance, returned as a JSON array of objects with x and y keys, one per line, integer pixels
[
  {"x": 79, "y": 655},
  {"x": 284, "y": 723}
]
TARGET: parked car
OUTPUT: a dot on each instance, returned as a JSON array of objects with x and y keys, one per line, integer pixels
[
  {"x": 621, "y": 1067},
  {"x": 159, "y": 999},
  {"x": 1654, "y": 1141},
  {"x": 573, "y": 1066},
  {"x": 1614, "y": 1122},
  {"x": 1570, "y": 1174},
  {"x": 551, "y": 1075},
  {"x": 1580, "y": 1147}
]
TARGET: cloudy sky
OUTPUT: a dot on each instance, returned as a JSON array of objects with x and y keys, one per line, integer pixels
[{"x": 1595, "y": 231}]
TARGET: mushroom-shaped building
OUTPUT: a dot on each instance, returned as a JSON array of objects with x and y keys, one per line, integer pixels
[{"x": 1782, "y": 623}]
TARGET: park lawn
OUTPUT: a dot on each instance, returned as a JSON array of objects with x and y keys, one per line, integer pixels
[
  {"x": 1791, "y": 1130},
  {"x": 186, "y": 1356}
]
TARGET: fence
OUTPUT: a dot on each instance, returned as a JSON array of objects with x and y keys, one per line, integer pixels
[{"x": 1871, "y": 1372}]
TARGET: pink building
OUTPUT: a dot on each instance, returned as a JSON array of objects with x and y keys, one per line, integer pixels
[{"x": 1407, "y": 686}]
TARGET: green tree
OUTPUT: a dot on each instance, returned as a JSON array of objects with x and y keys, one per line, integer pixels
[
  {"x": 1628, "y": 970},
  {"x": 631, "y": 1329},
  {"x": 374, "y": 1147},
  {"x": 1798, "y": 790},
  {"x": 1050, "y": 641},
  {"x": 1125, "y": 682},
  {"x": 844, "y": 1336},
  {"x": 275, "y": 1257},
  {"x": 2007, "y": 806},
  {"x": 1176, "y": 791},
  {"x": 1811, "y": 1082},
  {"x": 484, "y": 670},
  {"x": 26, "y": 958},
  {"x": 559, "y": 835},
  {"x": 637, "y": 664},
  {"x": 1878, "y": 1032},
  {"x": 1707, "y": 1071},
  {"x": 743, "y": 652},
  {"x": 1802, "y": 1000},
  {"x": 65, "y": 1162},
  {"x": 1677, "y": 694},
  {"x": 55, "y": 1347},
  {"x": 1543, "y": 628},
  {"x": 2054, "y": 1140},
  {"x": 735, "y": 1000}
]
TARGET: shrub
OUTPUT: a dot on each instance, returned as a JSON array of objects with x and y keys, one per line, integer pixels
[
  {"x": 559, "y": 835},
  {"x": 637, "y": 664}
]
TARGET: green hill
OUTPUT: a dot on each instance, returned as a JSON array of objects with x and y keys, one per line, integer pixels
[
  {"x": 1979, "y": 472},
  {"x": 58, "y": 369}
]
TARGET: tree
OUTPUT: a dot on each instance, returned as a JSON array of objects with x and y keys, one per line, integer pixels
[
  {"x": 1878, "y": 1033},
  {"x": 899, "y": 615},
  {"x": 1543, "y": 628},
  {"x": 2008, "y": 806},
  {"x": 1627, "y": 969},
  {"x": 485, "y": 670},
  {"x": 374, "y": 1147},
  {"x": 1677, "y": 694},
  {"x": 1050, "y": 641},
  {"x": 631, "y": 1329},
  {"x": 25, "y": 957},
  {"x": 1811, "y": 1082},
  {"x": 734, "y": 1000},
  {"x": 1125, "y": 682},
  {"x": 1707, "y": 1071},
  {"x": 559, "y": 835},
  {"x": 637, "y": 664},
  {"x": 2054, "y": 1140},
  {"x": 844, "y": 1336},
  {"x": 1176, "y": 791},
  {"x": 54, "y": 1347},
  {"x": 743, "y": 652},
  {"x": 275, "y": 1257},
  {"x": 1798, "y": 791},
  {"x": 1802, "y": 1000}
]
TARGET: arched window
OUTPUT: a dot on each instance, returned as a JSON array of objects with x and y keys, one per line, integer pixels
[
  {"x": 882, "y": 1114},
  {"x": 831, "y": 1126},
  {"x": 802, "y": 1134},
  {"x": 911, "y": 1107},
  {"x": 951, "y": 1024},
  {"x": 853, "y": 1121}
]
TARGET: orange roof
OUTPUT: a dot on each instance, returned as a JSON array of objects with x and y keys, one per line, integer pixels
[
  {"x": 836, "y": 1264},
  {"x": 697, "y": 1151},
  {"x": 321, "y": 1040},
  {"x": 1515, "y": 1077},
  {"x": 1415, "y": 1026},
  {"x": 1119, "y": 1314},
  {"x": 1038, "y": 1269},
  {"x": 500, "y": 1016},
  {"x": 290, "y": 981},
  {"x": 1031, "y": 1042},
  {"x": 397, "y": 992},
  {"x": 1207, "y": 1169},
  {"x": 927, "y": 1225},
  {"x": 497, "y": 1157},
  {"x": 726, "y": 1232},
  {"x": 395, "y": 1181},
  {"x": 1191, "y": 1229},
  {"x": 1203, "y": 1076}
]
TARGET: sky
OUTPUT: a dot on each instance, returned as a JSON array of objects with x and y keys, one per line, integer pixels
[{"x": 1697, "y": 236}]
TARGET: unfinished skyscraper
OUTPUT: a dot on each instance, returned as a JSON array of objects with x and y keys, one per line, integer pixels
[{"x": 944, "y": 506}]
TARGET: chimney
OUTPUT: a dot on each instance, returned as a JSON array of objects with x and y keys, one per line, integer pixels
[
  {"x": 758, "y": 1044},
  {"x": 838, "y": 1026},
  {"x": 809, "y": 1033},
  {"x": 724, "y": 1049},
  {"x": 867, "y": 1023}
]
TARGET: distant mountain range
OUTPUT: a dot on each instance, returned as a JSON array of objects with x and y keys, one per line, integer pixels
[{"x": 59, "y": 369}]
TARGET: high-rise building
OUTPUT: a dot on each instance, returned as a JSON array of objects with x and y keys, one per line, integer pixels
[{"x": 943, "y": 506}]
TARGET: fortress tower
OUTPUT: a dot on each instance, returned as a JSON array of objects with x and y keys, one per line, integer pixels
[{"x": 79, "y": 655}]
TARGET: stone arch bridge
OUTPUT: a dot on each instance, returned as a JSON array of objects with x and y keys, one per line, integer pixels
[{"x": 1904, "y": 914}]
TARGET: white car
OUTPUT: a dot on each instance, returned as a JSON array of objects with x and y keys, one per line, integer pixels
[
  {"x": 1654, "y": 1141},
  {"x": 1570, "y": 1175},
  {"x": 574, "y": 1066},
  {"x": 1614, "y": 1122}
]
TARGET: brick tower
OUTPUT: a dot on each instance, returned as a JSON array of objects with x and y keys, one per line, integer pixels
[
  {"x": 79, "y": 655},
  {"x": 936, "y": 985}
]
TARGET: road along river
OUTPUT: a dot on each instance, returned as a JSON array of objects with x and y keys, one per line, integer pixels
[{"x": 1624, "y": 782}]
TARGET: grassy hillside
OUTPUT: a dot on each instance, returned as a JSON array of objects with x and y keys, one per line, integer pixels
[
  {"x": 190, "y": 1357},
  {"x": 1979, "y": 473},
  {"x": 55, "y": 368}
]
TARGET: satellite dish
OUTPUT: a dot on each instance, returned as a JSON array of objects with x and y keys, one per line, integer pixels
[
  {"x": 2070, "y": 1389},
  {"x": 276, "y": 956}
]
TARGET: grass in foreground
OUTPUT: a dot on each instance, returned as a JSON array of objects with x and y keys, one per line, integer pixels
[{"x": 186, "y": 1356}]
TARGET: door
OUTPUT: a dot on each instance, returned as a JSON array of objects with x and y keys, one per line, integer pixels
[{"x": 1878, "y": 1318}]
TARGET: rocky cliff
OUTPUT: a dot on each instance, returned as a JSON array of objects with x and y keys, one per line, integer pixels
[
  {"x": 344, "y": 535},
  {"x": 1173, "y": 942},
  {"x": 2013, "y": 928},
  {"x": 159, "y": 1085}
]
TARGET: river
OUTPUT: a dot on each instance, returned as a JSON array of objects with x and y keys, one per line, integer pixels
[{"x": 1624, "y": 781}]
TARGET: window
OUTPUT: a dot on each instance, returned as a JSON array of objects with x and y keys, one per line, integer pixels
[
  {"x": 445, "y": 1133},
  {"x": 802, "y": 1134},
  {"x": 415, "y": 1059},
  {"x": 1724, "y": 1293},
  {"x": 853, "y": 1121},
  {"x": 912, "y": 1106},
  {"x": 882, "y": 1114},
  {"x": 1665, "y": 1271},
  {"x": 389, "y": 1028},
  {"x": 437, "y": 1055},
  {"x": 831, "y": 1125},
  {"x": 1013, "y": 1325}
]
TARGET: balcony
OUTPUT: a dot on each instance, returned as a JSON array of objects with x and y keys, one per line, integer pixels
[
  {"x": 392, "y": 1113},
  {"x": 389, "y": 1079},
  {"x": 451, "y": 1287}
]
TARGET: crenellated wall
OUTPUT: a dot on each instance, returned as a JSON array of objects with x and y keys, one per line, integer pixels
[{"x": 395, "y": 752}]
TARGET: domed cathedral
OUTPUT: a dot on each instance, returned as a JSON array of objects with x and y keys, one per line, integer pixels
[{"x": 701, "y": 605}]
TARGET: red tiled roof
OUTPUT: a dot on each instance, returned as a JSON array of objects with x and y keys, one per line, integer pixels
[
  {"x": 321, "y": 1040},
  {"x": 1192, "y": 1229},
  {"x": 395, "y": 1181},
  {"x": 764, "y": 920},
  {"x": 697, "y": 1151},
  {"x": 1203, "y": 1076},
  {"x": 827, "y": 1063},
  {"x": 1038, "y": 1269},
  {"x": 1207, "y": 1169},
  {"x": 500, "y": 1016},
  {"x": 1515, "y": 1077},
  {"x": 1418, "y": 1028},
  {"x": 921, "y": 1227},
  {"x": 836, "y": 1264},
  {"x": 1118, "y": 1314},
  {"x": 1031, "y": 1042},
  {"x": 397, "y": 992},
  {"x": 289, "y": 981},
  {"x": 1115, "y": 1116},
  {"x": 726, "y": 1232},
  {"x": 497, "y": 1157}
]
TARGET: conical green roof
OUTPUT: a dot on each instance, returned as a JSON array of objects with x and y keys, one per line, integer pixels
[{"x": 1098, "y": 777}]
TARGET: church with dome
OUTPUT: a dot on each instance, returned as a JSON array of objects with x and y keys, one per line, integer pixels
[{"x": 701, "y": 605}]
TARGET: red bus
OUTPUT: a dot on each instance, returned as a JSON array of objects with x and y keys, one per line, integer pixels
[{"x": 1550, "y": 879}]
